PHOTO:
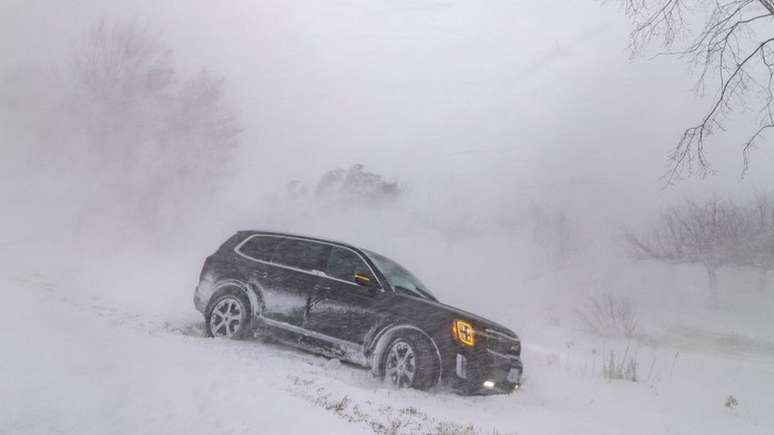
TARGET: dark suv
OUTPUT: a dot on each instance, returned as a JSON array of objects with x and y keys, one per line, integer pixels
[{"x": 349, "y": 303}]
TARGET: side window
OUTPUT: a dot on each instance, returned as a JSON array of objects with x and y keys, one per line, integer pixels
[
  {"x": 259, "y": 247},
  {"x": 300, "y": 254},
  {"x": 344, "y": 264}
]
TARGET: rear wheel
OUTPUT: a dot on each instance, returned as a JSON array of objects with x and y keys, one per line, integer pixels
[
  {"x": 411, "y": 361},
  {"x": 229, "y": 316}
]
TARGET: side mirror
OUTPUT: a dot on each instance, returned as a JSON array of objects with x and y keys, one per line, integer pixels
[{"x": 363, "y": 280}]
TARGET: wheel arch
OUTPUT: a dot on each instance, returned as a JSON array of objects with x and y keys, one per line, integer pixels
[
  {"x": 254, "y": 295},
  {"x": 385, "y": 336}
]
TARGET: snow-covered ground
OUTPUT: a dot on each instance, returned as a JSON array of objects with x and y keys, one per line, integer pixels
[
  {"x": 490, "y": 118},
  {"x": 115, "y": 346}
]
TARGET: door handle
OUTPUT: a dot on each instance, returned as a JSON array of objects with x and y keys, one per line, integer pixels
[
  {"x": 263, "y": 274},
  {"x": 322, "y": 287}
]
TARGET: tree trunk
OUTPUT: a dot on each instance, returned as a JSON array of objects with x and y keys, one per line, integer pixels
[{"x": 712, "y": 274}]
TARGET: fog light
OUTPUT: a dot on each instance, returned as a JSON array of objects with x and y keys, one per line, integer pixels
[{"x": 489, "y": 384}]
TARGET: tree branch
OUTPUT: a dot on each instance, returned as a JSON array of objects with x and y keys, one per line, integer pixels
[{"x": 725, "y": 49}]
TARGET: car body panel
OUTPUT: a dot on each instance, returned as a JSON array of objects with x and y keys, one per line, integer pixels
[{"x": 346, "y": 311}]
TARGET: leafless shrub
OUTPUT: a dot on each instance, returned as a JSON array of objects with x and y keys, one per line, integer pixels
[
  {"x": 620, "y": 368},
  {"x": 609, "y": 316}
]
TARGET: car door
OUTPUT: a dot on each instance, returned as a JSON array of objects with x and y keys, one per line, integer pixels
[
  {"x": 341, "y": 308},
  {"x": 294, "y": 269},
  {"x": 254, "y": 259}
]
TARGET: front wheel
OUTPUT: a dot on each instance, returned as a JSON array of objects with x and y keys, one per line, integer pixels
[
  {"x": 411, "y": 362},
  {"x": 228, "y": 316}
]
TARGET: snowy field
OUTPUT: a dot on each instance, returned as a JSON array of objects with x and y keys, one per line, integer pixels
[{"x": 97, "y": 347}]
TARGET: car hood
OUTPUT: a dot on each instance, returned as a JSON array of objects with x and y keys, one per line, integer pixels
[{"x": 432, "y": 307}]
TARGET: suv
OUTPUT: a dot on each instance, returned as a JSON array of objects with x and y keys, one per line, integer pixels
[{"x": 343, "y": 302}]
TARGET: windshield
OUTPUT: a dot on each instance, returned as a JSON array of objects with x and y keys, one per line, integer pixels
[{"x": 400, "y": 278}]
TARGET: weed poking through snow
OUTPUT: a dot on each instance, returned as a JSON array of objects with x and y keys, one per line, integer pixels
[
  {"x": 609, "y": 316},
  {"x": 623, "y": 368}
]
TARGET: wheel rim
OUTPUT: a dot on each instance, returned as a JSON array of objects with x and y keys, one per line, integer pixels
[
  {"x": 226, "y": 317},
  {"x": 400, "y": 366}
]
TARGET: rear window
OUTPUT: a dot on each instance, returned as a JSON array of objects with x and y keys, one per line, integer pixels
[{"x": 259, "y": 247}]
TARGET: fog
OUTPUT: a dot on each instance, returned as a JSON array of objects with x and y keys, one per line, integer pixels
[
  {"x": 493, "y": 119},
  {"x": 514, "y": 99},
  {"x": 481, "y": 114}
]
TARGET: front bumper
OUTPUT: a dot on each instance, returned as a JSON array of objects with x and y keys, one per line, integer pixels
[{"x": 485, "y": 371}]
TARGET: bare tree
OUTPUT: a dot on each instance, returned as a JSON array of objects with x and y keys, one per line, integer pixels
[
  {"x": 758, "y": 244},
  {"x": 734, "y": 54},
  {"x": 155, "y": 138},
  {"x": 705, "y": 233},
  {"x": 121, "y": 64}
]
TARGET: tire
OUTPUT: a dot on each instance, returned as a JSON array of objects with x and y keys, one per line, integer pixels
[
  {"x": 409, "y": 351},
  {"x": 228, "y": 315}
]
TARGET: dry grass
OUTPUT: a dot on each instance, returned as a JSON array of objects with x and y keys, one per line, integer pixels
[
  {"x": 609, "y": 316},
  {"x": 624, "y": 367},
  {"x": 456, "y": 429},
  {"x": 381, "y": 419}
]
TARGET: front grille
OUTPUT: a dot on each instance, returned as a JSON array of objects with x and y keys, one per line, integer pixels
[{"x": 501, "y": 344}]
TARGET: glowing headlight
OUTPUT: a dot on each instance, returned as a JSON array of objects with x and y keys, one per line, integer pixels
[{"x": 464, "y": 333}]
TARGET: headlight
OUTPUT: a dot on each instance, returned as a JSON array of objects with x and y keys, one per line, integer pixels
[{"x": 464, "y": 332}]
